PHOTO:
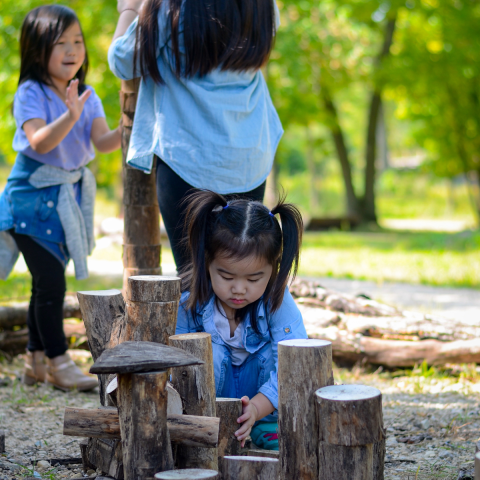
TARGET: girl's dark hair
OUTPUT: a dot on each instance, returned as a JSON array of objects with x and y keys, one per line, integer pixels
[
  {"x": 42, "y": 27},
  {"x": 238, "y": 229},
  {"x": 232, "y": 34}
]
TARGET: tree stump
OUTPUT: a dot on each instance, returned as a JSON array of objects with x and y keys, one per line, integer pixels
[
  {"x": 350, "y": 424},
  {"x": 103, "y": 312},
  {"x": 249, "y": 468},
  {"x": 152, "y": 308},
  {"x": 142, "y": 407},
  {"x": 228, "y": 410},
  {"x": 141, "y": 237},
  {"x": 196, "y": 385},
  {"x": 188, "y": 474},
  {"x": 303, "y": 367}
]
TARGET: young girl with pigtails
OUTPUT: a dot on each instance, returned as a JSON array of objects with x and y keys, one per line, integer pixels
[{"x": 235, "y": 289}]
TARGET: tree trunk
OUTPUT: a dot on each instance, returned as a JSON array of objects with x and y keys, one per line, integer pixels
[
  {"x": 249, "y": 468},
  {"x": 196, "y": 385},
  {"x": 142, "y": 408},
  {"x": 353, "y": 209},
  {"x": 368, "y": 201},
  {"x": 141, "y": 249},
  {"x": 303, "y": 367},
  {"x": 187, "y": 430},
  {"x": 350, "y": 425},
  {"x": 228, "y": 410}
]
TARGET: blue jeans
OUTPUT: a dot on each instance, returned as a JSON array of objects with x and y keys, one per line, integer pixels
[{"x": 233, "y": 381}]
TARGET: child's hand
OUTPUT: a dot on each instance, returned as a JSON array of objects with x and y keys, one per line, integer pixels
[
  {"x": 248, "y": 419},
  {"x": 75, "y": 103}
]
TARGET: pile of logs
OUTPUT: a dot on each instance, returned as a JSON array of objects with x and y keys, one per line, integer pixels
[
  {"x": 325, "y": 431},
  {"x": 363, "y": 330}
]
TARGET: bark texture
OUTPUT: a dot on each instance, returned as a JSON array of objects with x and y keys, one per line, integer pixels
[
  {"x": 142, "y": 407},
  {"x": 228, "y": 410},
  {"x": 303, "y": 367},
  {"x": 196, "y": 385},
  {"x": 154, "y": 289}
]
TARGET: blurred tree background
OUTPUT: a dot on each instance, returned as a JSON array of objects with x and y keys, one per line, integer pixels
[{"x": 379, "y": 101}]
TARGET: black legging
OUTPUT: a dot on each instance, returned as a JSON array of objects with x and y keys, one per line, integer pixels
[
  {"x": 171, "y": 191},
  {"x": 45, "y": 313}
]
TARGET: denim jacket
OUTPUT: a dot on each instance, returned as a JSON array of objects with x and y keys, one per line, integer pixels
[{"x": 284, "y": 324}]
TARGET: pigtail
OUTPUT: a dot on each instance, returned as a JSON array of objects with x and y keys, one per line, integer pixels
[
  {"x": 146, "y": 41},
  {"x": 292, "y": 229},
  {"x": 198, "y": 217}
]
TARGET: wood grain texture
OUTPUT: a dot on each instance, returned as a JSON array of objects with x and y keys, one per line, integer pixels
[
  {"x": 105, "y": 454},
  {"x": 188, "y": 474},
  {"x": 154, "y": 288},
  {"x": 151, "y": 322},
  {"x": 142, "y": 408},
  {"x": 228, "y": 410},
  {"x": 135, "y": 357},
  {"x": 187, "y": 430},
  {"x": 345, "y": 463},
  {"x": 249, "y": 468},
  {"x": 196, "y": 385},
  {"x": 143, "y": 256},
  {"x": 303, "y": 367}
]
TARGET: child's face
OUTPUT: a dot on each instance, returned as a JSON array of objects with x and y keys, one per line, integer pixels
[
  {"x": 68, "y": 55},
  {"x": 237, "y": 283}
]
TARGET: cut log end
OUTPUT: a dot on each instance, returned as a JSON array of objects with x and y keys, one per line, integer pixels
[
  {"x": 153, "y": 288},
  {"x": 305, "y": 342},
  {"x": 347, "y": 393},
  {"x": 188, "y": 474}
]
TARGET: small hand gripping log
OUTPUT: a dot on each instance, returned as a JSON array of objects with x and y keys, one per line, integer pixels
[{"x": 351, "y": 434}]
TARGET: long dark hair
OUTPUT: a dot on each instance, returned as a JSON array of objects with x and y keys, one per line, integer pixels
[
  {"x": 232, "y": 34},
  {"x": 42, "y": 27},
  {"x": 242, "y": 229}
]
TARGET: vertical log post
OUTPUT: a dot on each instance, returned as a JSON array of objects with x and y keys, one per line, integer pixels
[
  {"x": 228, "y": 410},
  {"x": 303, "y": 367},
  {"x": 248, "y": 468},
  {"x": 350, "y": 424},
  {"x": 152, "y": 307},
  {"x": 477, "y": 466},
  {"x": 142, "y": 410},
  {"x": 141, "y": 238},
  {"x": 196, "y": 385},
  {"x": 188, "y": 474}
]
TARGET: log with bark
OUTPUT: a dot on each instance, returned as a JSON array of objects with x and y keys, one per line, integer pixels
[
  {"x": 190, "y": 430},
  {"x": 363, "y": 330}
]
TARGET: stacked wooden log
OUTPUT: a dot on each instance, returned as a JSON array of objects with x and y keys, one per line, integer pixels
[{"x": 363, "y": 330}]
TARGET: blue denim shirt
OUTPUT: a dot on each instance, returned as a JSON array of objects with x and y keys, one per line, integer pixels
[
  {"x": 285, "y": 324},
  {"x": 219, "y": 131}
]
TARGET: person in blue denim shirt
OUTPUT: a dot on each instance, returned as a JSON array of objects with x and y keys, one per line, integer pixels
[
  {"x": 46, "y": 209},
  {"x": 235, "y": 289}
]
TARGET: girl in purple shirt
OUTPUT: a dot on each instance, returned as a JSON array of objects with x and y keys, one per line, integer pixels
[{"x": 58, "y": 117}]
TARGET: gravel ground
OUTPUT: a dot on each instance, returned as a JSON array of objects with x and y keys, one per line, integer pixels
[{"x": 432, "y": 419}]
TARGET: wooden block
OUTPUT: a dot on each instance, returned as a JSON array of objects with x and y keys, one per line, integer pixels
[
  {"x": 260, "y": 452},
  {"x": 136, "y": 357},
  {"x": 188, "y": 474},
  {"x": 477, "y": 466},
  {"x": 2, "y": 441},
  {"x": 228, "y": 410},
  {"x": 249, "y": 468},
  {"x": 154, "y": 288}
]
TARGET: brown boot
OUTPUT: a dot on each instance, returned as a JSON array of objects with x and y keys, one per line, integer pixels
[
  {"x": 35, "y": 368},
  {"x": 65, "y": 375}
]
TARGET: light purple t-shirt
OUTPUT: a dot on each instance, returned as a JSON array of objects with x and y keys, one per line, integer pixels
[{"x": 34, "y": 100}]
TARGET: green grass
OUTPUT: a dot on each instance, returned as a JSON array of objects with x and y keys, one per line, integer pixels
[{"x": 428, "y": 258}]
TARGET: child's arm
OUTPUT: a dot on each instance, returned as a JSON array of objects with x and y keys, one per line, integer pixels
[
  {"x": 104, "y": 139},
  {"x": 128, "y": 10},
  {"x": 42, "y": 137},
  {"x": 253, "y": 410}
]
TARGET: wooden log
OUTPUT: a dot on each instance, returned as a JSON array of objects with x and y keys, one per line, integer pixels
[
  {"x": 260, "y": 452},
  {"x": 248, "y": 468},
  {"x": 196, "y": 385},
  {"x": 103, "y": 312},
  {"x": 303, "y": 367},
  {"x": 477, "y": 466},
  {"x": 350, "y": 425},
  {"x": 151, "y": 322},
  {"x": 189, "y": 474},
  {"x": 106, "y": 454},
  {"x": 136, "y": 357},
  {"x": 154, "y": 288},
  {"x": 104, "y": 422},
  {"x": 142, "y": 408},
  {"x": 142, "y": 218},
  {"x": 2, "y": 441},
  {"x": 228, "y": 410}
]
